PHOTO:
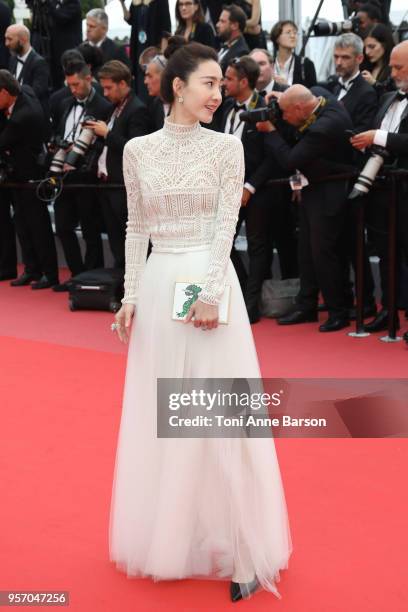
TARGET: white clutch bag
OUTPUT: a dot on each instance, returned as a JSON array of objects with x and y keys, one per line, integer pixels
[{"x": 186, "y": 293}]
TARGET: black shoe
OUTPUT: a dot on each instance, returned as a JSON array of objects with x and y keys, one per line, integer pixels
[
  {"x": 334, "y": 324},
  {"x": 254, "y": 316},
  {"x": 239, "y": 590},
  {"x": 25, "y": 279},
  {"x": 298, "y": 316},
  {"x": 380, "y": 323},
  {"x": 405, "y": 337},
  {"x": 7, "y": 275},
  {"x": 368, "y": 311},
  {"x": 44, "y": 283},
  {"x": 62, "y": 287}
]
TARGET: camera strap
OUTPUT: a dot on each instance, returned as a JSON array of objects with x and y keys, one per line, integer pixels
[
  {"x": 237, "y": 107},
  {"x": 313, "y": 117}
]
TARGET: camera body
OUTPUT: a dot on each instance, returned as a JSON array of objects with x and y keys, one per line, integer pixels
[
  {"x": 333, "y": 28},
  {"x": 272, "y": 113}
]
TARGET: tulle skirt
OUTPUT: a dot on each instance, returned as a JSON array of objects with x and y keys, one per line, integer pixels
[{"x": 192, "y": 507}]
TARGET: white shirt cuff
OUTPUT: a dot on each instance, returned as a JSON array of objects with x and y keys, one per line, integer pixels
[
  {"x": 380, "y": 138},
  {"x": 250, "y": 188}
]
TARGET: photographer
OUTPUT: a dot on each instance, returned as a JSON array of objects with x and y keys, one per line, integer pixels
[
  {"x": 26, "y": 64},
  {"x": 319, "y": 150},
  {"x": 22, "y": 133},
  {"x": 56, "y": 27},
  {"x": 128, "y": 120},
  {"x": 392, "y": 136},
  {"x": 71, "y": 206}
]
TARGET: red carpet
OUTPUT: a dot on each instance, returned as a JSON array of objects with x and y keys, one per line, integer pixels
[{"x": 61, "y": 384}]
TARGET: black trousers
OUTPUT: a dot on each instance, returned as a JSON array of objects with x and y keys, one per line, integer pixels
[
  {"x": 376, "y": 215},
  {"x": 73, "y": 208},
  {"x": 8, "y": 251},
  {"x": 114, "y": 209},
  {"x": 34, "y": 231},
  {"x": 322, "y": 223}
]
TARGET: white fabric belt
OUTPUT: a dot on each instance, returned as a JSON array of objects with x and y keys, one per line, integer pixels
[{"x": 198, "y": 247}]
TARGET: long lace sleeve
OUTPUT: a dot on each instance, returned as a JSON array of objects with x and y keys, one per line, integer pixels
[
  {"x": 232, "y": 168},
  {"x": 137, "y": 234}
]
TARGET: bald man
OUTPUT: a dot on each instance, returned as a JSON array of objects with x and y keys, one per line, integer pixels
[
  {"x": 26, "y": 64},
  {"x": 319, "y": 149},
  {"x": 392, "y": 134}
]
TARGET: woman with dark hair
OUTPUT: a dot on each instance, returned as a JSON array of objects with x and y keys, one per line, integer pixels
[
  {"x": 290, "y": 68},
  {"x": 190, "y": 503},
  {"x": 378, "y": 45},
  {"x": 191, "y": 23}
]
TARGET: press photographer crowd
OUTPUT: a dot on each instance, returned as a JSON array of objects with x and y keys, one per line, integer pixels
[{"x": 69, "y": 106}]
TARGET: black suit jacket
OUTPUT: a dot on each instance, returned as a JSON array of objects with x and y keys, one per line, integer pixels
[
  {"x": 66, "y": 33},
  {"x": 112, "y": 51},
  {"x": 156, "y": 112},
  {"x": 133, "y": 121},
  {"x": 34, "y": 73},
  {"x": 238, "y": 49},
  {"x": 97, "y": 106},
  {"x": 158, "y": 21},
  {"x": 203, "y": 34},
  {"x": 259, "y": 164},
  {"x": 22, "y": 135},
  {"x": 360, "y": 101},
  {"x": 321, "y": 149},
  {"x": 397, "y": 143}
]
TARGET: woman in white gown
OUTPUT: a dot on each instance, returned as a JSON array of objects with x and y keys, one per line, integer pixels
[{"x": 193, "y": 507}]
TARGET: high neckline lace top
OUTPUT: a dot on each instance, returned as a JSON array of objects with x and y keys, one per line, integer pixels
[
  {"x": 184, "y": 187},
  {"x": 179, "y": 130}
]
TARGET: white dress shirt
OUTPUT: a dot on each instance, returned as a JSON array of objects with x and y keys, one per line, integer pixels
[
  {"x": 390, "y": 122},
  {"x": 347, "y": 84},
  {"x": 238, "y": 129},
  {"x": 19, "y": 66},
  {"x": 73, "y": 123},
  {"x": 287, "y": 70}
]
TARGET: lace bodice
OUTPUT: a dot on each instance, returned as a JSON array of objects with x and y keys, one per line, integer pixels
[{"x": 184, "y": 186}]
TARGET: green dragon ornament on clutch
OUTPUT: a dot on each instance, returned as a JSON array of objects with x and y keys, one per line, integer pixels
[{"x": 191, "y": 292}]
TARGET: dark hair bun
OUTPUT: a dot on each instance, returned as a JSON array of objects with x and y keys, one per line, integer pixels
[{"x": 174, "y": 43}]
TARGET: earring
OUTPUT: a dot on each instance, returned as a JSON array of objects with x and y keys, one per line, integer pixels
[{"x": 181, "y": 99}]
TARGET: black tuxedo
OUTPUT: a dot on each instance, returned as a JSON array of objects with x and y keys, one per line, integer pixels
[
  {"x": 81, "y": 206},
  {"x": 360, "y": 101},
  {"x": 237, "y": 49},
  {"x": 259, "y": 214},
  {"x": 156, "y": 112},
  {"x": 133, "y": 121},
  {"x": 321, "y": 149},
  {"x": 35, "y": 72},
  {"x": 378, "y": 202},
  {"x": 21, "y": 141},
  {"x": 112, "y": 51}
]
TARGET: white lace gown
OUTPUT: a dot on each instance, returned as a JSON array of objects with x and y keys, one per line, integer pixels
[{"x": 194, "y": 507}]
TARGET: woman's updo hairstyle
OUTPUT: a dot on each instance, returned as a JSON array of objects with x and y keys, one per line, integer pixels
[{"x": 183, "y": 59}]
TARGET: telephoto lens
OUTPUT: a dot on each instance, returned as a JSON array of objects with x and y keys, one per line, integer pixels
[
  {"x": 81, "y": 145},
  {"x": 369, "y": 173}
]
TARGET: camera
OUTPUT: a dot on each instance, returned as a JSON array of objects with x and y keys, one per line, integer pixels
[
  {"x": 369, "y": 173},
  {"x": 333, "y": 28},
  {"x": 272, "y": 113},
  {"x": 73, "y": 154}
]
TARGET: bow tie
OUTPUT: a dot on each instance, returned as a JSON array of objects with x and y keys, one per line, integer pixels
[
  {"x": 20, "y": 61},
  {"x": 346, "y": 86},
  {"x": 238, "y": 107},
  {"x": 78, "y": 103},
  {"x": 263, "y": 93},
  {"x": 401, "y": 95}
]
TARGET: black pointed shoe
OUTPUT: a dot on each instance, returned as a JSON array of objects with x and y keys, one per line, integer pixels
[
  {"x": 380, "y": 323},
  {"x": 298, "y": 316},
  {"x": 334, "y": 324},
  {"x": 239, "y": 590},
  {"x": 44, "y": 283},
  {"x": 26, "y": 278},
  {"x": 405, "y": 337}
]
